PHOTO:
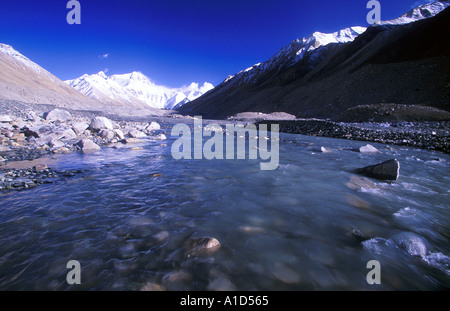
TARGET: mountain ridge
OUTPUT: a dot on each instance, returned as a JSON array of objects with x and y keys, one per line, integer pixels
[
  {"x": 135, "y": 87},
  {"x": 324, "y": 82}
]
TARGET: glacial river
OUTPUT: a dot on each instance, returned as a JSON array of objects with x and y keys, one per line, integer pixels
[{"x": 127, "y": 217}]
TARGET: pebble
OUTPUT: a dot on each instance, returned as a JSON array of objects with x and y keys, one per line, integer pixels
[{"x": 197, "y": 246}]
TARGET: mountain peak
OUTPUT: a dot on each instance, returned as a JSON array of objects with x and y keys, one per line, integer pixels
[
  {"x": 102, "y": 74},
  {"x": 136, "y": 87},
  {"x": 422, "y": 12}
]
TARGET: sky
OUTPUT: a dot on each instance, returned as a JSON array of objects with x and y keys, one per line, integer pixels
[{"x": 173, "y": 42}]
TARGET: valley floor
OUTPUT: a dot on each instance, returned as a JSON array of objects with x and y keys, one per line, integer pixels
[{"x": 18, "y": 151}]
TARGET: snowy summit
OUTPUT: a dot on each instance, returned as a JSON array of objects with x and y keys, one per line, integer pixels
[{"x": 135, "y": 87}]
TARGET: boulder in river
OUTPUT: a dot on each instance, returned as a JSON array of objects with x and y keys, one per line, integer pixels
[
  {"x": 196, "y": 246},
  {"x": 88, "y": 145},
  {"x": 389, "y": 170},
  {"x": 368, "y": 149},
  {"x": 134, "y": 133},
  {"x": 412, "y": 243}
]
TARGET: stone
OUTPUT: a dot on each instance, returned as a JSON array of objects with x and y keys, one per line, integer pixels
[
  {"x": 152, "y": 287},
  {"x": 285, "y": 274},
  {"x": 412, "y": 243},
  {"x": 158, "y": 137},
  {"x": 100, "y": 123},
  {"x": 134, "y": 133},
  {"x": 196, "y": 246},
  {"x": 80, "y": 127},
  {"x": 368, "y": 149},
  {"x": 64, "y": 150},
  {"x": 153, "y": 126},
  {"x": 107, "y": 134},
  {"x": 88, "y": 145},
  {"x": 131, "y": 141},
  {"x": 29, "y": 133},
  {"x": 57, "y": 115},
  {"x": 389, "y": 170},
  {"x": 220, "y": 282},
  {"x": 55, "y": 143},
  {"x": 68, "y": 134},
  {"x": 177, "y": 276},
  {"x": 5, "y": 119},
  {"x": 40, "y": 167},
  {"x": 2, "y": 161},
  {"x": 119, "y": 134}
]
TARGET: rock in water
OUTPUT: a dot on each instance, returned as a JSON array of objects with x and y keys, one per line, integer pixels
[
  {"x": 101, "y": 123},
  {"x": 197, "y": 246},
  {"x": 368, "y": 149},
  {"x": 389, "y": 170},
  {"x": 57, "y": 115},
  {"x": 412, "y": 243},
  {"x": 134, "y": 133},
  {"x": 88, "y": 145}
]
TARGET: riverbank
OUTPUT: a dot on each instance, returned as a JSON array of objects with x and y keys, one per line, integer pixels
[
  {"x": 424, "y": 135},
  {"x": 29, "y": 132},
  {"x": 32, "y": 135}
]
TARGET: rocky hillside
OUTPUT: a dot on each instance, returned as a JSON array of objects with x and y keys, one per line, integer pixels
[{"x": 405, "y": 64}]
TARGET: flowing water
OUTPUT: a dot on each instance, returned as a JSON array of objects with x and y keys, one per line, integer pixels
[{"x": 128, "y": 216}]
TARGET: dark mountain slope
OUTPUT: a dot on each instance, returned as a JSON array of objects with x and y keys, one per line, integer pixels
[{"x": 407, "y": 65}]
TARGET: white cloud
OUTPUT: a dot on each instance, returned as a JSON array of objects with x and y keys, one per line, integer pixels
[{"x": 103, "y": 56}]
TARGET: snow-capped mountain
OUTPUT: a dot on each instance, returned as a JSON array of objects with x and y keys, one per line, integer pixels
[
  {"x": 298, "y": 49},
  {"x": 419, "y": 13},
  {"x": 401, "y": 61},
  {"x": 136, "y": 87}
]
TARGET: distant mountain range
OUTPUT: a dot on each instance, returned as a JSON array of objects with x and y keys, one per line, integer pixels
[
  {"x": 137, "y": 88},
  {"x": 402, "y": 61},
  {"x": 23, "y": 80}
]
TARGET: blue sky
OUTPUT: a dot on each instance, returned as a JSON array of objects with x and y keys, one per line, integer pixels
[{"x": 172, "y": 42}]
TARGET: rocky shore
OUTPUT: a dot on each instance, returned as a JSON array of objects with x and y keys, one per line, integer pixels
[
  {"x": 426, "y": 135},
  {"x": 29, "y": 132}
]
